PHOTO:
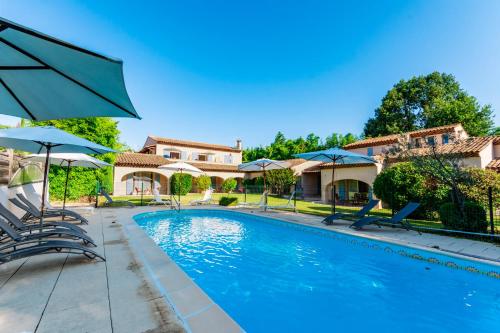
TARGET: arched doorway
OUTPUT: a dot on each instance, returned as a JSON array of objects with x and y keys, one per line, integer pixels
[
  {"x": 216, "y": 183},
  {"x": 143, "y": 182},
  {"x": 350, "y": 192}
]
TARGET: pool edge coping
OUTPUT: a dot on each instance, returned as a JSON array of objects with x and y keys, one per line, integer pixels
[{"x": 200, "y": 319}]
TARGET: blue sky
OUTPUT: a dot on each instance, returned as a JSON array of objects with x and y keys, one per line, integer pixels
[{"x": 215, "y": 70}]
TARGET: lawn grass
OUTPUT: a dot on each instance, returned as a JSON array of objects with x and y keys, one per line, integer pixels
[{"x": 302, "y": 206}]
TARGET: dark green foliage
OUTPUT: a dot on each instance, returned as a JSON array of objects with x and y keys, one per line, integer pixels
[
  {"x": 82, "y": 183},
  {"x": 401, "y": 183},
  {"x": 186, "y": 183},
  {"x": 203, "y": 182},
  {"x": 280, "y": 180},
  {"x": 282, "y": 148},
  {"x": 228, "y": 201},
  {"x": 428, "y": 101},
  {"x": 471, "y": 219},
  {"x": 229, "y": 184}
]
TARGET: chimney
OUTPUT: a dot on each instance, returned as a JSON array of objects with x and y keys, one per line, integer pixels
[{"x": 238, "y": 144}]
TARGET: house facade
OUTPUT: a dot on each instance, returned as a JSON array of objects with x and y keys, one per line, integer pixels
[
  {"x": 355, "y": 181},
  {"x": 137, "y": 173}
]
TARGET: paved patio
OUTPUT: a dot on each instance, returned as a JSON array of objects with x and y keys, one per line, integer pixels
[{"x": 138, "y": 287}]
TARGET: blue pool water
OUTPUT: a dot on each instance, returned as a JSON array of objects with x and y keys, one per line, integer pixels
[{"x": 273, "y": 276}]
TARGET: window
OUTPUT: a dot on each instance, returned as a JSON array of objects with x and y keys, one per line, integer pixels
[
  {"x": 446, "y": 138},
  {"x": 201, "y": 157},
  {"x": 175, "y": 155},
  {"x": 228, "y": 159},
  {"x": 370, "y": 151},
  {"x": 431, "y": 141},
  {"x": 418, "y": 143}
]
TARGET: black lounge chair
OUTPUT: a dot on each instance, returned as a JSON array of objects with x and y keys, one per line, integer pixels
[
  {"x": 110, "y": 201},
  {"x": 32, "y": 211},
  {"x": 47, "y": 225},
  {"x": 27, "y": 235},
  {"x": 18, "y": 249},
  {"x": 395, "y": 220},
  {"x": 357, "y": 215}
]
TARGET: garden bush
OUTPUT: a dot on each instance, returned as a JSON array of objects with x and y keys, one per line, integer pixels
[
  {"x": 229, "y": 185},
  {"x": 228, "y": 201},
  {"x": 401, "y": 183},
  {"x": 473, "y": 218},
  {"x": 203, "y": 182},
  {"x": 186, "y": 183}
]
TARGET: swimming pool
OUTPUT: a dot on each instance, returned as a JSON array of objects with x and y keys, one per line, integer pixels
[{"x": 274, "y": 276}]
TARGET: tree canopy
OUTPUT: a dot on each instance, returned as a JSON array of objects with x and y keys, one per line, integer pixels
[
  {"x": 282, "y": 148},
  {"x": 428, "y": 101}
]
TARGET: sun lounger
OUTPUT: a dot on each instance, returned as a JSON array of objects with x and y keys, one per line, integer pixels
[
  {"x": 20, "y": 226},
  {"x": 110, "y": 201},
  {"x": 207, "y": 198},
  {"x": 261, "y": 203},
  {"x": 18, "y": 249},
  {"x": 288, "y": 205},
  {"x": 33, "y": 213},
  {"x": 157, "y": 200},
  {"x": 40, "y": 234},
  {"x": 357, "y": 215},
  {"x": 50, "y": 210},
  {"x": 395, "y": 220}
]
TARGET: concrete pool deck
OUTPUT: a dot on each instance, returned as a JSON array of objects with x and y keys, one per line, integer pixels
[{"x": 140, "y": 289}]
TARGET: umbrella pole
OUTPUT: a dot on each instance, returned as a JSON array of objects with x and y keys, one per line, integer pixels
[
  {"x": 334, "y": 188},
  {"x": 45, "y": 181},
  {"x": 265, "y": 188},
  {"x": 66, "y": 187}
]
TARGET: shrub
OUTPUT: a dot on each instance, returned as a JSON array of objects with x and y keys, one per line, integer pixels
[
  {"x": 280, "y": 180},
  {"x": 477, "y": 189},
  {"x": 228, "y": 201},
  {"x": 229, "y": 185},
  {"x": 401, "y": 183},
  {"x": 185, "y": 184},
  {"x": 203, "y": 182},
  {"x": 473, "y": 218}
]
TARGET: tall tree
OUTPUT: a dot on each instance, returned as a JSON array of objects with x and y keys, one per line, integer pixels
[{"x": 428, "y": 101}]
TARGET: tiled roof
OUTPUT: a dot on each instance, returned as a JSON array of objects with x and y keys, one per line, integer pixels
[
  {"x": 192, "y": 144},
  {"x": 153, "y": 161},
  {"x": 140, "y": 160},
  {"x": 468, "y": 147},
  {"x": 393, "y": 138},
  {"x": 295, "y": 161},
  {"x": 494, "y": 165}
]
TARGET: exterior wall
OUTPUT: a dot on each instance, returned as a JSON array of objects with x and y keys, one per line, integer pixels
[
  {"x": 486, "y": 155},
  {"x": 365, "y": 174},
  {"x": 188, "y": 151},
  {"x": 377, "y": 150},
  {"x": 120, "y": 183}
]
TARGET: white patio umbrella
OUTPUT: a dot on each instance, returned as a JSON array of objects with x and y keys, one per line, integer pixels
[
  {"x": 46, "y": 140},
  {"x": 43, "y": 78},
  {"x": 69, "y": 160},
  {"x": 181, "y": 167},
  {"x": 263, "y": 164}
]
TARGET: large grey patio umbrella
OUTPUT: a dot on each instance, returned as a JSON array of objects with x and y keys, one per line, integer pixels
[
  {"x": 69, "y": 160},
  {"x": 46, "y": 140},
  {"x": 336, "y": 156},
  {"x": 181, "y": 167},
  {"x": 43, "y": 78},
  {"x": 263, "y": 164}
]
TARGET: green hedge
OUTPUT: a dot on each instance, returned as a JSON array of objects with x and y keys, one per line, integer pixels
[
  {"x": 186, "y": 183},
  {"x": 473, "y": 218},
  {"x": 228, "y": 201},
  {"x": 203, "y": 182}
]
